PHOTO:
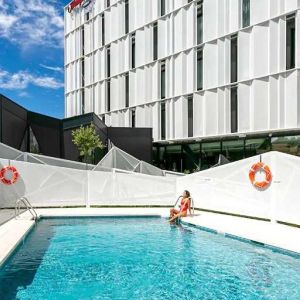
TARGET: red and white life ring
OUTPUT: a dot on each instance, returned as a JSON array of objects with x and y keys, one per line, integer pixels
[
  {"x": 9, "y": 175},
  {"x": 262, "y": 185}
]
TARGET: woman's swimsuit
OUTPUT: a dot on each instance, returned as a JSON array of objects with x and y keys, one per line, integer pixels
[{"x": 184, "y": 205}]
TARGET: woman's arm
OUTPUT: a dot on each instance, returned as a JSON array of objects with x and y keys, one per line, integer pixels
[{"x": 189, "y": 207}]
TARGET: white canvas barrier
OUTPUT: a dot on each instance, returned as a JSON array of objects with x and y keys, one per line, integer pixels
[
  {"x": 224, "y": 189},
  {"x": 228, "y": 189},
  {"x": 44, "y": 185},
  {"x": 49, "y": 186}
]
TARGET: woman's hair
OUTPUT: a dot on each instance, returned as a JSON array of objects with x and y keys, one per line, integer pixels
[{"x": 187, "y": 193}]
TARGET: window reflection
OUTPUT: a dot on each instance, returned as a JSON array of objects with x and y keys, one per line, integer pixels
[
  {"x": 210, "y": 154},
  {"x": 257, "y": 146},
  {"x": 173, "y": 158},
  {"x": 233, "y": 150},
  {"x": 191, "y": 157},
  {"x": 287, "y": 144}
]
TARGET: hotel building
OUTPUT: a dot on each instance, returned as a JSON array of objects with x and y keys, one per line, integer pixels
[{"x": 209, "y": 77}]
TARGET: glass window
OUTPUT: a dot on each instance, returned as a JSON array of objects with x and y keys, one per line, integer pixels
[
  {"x": 163, "y": 80},
  {"x": 190, "y": 116},
  {"x": 108, "y": 61},
  {"x": 290, "y": 42},
  {"x": 191, "y": 154},
  {"x": 82, "y": 101},
  {"x": 155, "y": 41},
  {"x": 210, "y": 154},
  {"x": 234, "y": 109},
  {"x": 233, "y": 150},
  {"x": 199, "y": 69},
  {"x": 257, "y": 146},
  {"x": 199, "y": 22},
  {"x": 162, "y": 7},
  {"x": 173, "y": 158},
  {"x": 162, "y": 157},
  {"x": 102, "y": 29},
  {"x": 246, "y": 13},
  {"x": 133, "y": 118},
  {"x": 82, "y": 72},
  {"x": 33, "y": 143},
  {"x": 287, "y": 144},
  {"x": 82, "y": 40},
  {"x": 107, "y": 3},
  {"x": 127, "y": 89},
  {"x": 163, "y": 121},
  {"x": 126, "y": 16},
  {"x": 133, "y": 51},
  {"x": 108, "y": 95},
  {"x": 234, "y": 58}
]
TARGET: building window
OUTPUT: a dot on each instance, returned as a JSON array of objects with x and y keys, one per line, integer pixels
[
  {"x": 127, "y": 90},
  {"x": 108, "y": 95},
  {"x": 108, "y": 61},
  {"x": 107, "y": 3},
  {"x": 190, "y": 116},
  {"x": 234, "y": 58},
  {"x": 82, "y": 73},
  {"x": 82, "y": 101},
  {"x": 82, "y": 40},
  {"x": 87, "y": 16},
  {"x": 246, "y": 13},
  {"x": 290, "y": 42},
  {"x": 133, "y": 118},
  {"x": 163, "y": 80},
  {"x": 132, "y": 50},
  {"x": 103, "y": 119},
  {"x": 199, "y": 22},
  {"x": 199, "y": 69},
  {"x": 234, "y": 109},
  {"x": 163, "y": 121},
  {"x": 162, "y": 7},
  {"x": 126, "y": 16},
  {"x": 102, "y": 29},
  {"x": 155, "y": 41}
]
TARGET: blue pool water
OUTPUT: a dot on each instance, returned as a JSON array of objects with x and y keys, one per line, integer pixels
[{"x": 143, "y": 258}]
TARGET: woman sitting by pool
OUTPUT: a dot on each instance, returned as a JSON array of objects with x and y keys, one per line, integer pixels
[{"x": 185, "y": 205}]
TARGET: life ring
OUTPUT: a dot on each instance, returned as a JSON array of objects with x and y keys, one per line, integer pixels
[
  {"x": 268, "y": 175},
  {"x": 14, "y": 176}
]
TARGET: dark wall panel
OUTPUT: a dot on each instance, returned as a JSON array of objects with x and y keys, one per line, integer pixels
[
  {"x": 13, "y": 123},
  {"x": 47, "y": 131},
  {"x": 135, "y": 141}
]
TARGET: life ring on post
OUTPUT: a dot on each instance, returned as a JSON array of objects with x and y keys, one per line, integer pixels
[
  {"x": 262, "y": 185},
  {"x": 13, "y": 177}
]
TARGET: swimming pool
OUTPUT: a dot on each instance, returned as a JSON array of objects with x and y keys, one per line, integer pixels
[{"x": 143, "y": 258}]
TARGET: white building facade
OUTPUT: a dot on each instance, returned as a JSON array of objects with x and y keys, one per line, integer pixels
[{"x": 194, "y": 71}]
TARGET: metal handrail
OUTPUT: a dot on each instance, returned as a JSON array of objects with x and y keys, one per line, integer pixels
[
  {"x": 192, "y": 203},
  {"x": 28, "y": 205}
]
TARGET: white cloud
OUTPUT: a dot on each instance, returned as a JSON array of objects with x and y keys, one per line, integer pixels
[
  {"x": 56, "y": 69},
  {"x": 32, "y": 22},
  {"x": 22, "y": 79}
]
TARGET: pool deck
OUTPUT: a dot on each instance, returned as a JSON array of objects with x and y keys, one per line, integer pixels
[{"x": 286, "y": 237}]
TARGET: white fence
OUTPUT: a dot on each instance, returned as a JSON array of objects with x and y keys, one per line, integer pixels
[
  {"x": 228, "y": 189},
  {"x": 224, "y": 189},
  {"x": 48, "y": 186}
]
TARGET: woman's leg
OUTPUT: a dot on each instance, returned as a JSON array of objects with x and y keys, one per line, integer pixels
[
  {"x": 176, "y": 216},
  {"x": 173, "y": 212}
]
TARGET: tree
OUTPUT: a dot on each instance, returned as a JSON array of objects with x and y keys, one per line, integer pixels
[{"x": 86, "y": 140}]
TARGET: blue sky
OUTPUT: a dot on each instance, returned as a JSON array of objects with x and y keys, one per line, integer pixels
[{"x": 32, "y": 55}]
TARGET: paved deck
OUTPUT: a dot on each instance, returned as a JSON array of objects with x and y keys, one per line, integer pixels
[
  {"x": 5, "y": 215},
  {"x": 282, "y": 236}
]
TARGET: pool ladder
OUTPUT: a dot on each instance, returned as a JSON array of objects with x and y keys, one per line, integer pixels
[
  {"x": 192, "y": 203},
  {"x": 28, "y": 206}
]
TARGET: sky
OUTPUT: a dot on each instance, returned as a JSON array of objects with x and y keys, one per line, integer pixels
[{"x": 32, "y": 54}]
